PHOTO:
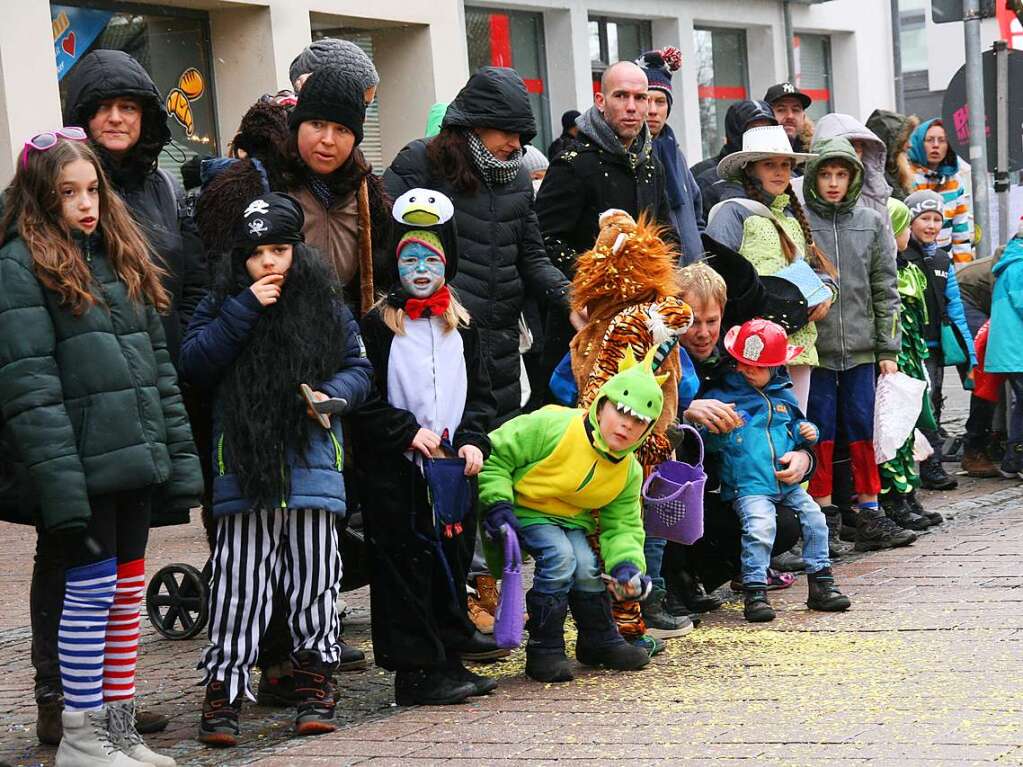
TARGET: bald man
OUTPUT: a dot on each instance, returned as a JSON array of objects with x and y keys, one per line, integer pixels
[{"x": 610, "y": 165}]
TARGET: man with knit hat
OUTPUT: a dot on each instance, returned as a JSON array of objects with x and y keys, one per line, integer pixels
[
  {"x": 684, "y": 201},
  {"x": 330, "y": 51},
  {"x": 569, "y": 130}
]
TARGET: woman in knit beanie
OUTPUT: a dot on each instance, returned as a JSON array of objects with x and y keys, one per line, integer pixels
[{"x": 330, "y": 51}]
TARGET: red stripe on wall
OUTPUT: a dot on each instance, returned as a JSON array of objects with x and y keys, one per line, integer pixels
[
  {"x": 533, "y": 85},
  {"x": 500, "y": 40},
  {"x": 818, "y": 94},
  {"x": 734, "y": 93}
]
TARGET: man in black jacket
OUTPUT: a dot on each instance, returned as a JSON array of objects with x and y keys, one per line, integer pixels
[
  {"x": 610, "y": 165},
  {"x": 114, "y": 99}
]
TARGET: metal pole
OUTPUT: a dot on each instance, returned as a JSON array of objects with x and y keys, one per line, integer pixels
[
  {"x": 975, "y": 101},
  {"x": 1002, "y": 166},
  {"x": 790, "y": 50},
  {"x": 900, "y": 98}
]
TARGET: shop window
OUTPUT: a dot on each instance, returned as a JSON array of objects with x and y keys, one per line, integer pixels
[
  {"x": 503, "y": 38},
  {"x": 813, "y": 72},
  {"x": 174, "y": 48},
  {"x": 723, "y": 79},
  {"x": 372, "y": 144},
  {"x": 613, "y": 40},
  {"x": 913, "y": 35}
]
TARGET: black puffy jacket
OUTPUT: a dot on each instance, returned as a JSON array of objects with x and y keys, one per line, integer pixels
[
  {"x": 153, "y": 197},
  {"x": 739, "y": 115},
  {"x": 500, "y": 248}
]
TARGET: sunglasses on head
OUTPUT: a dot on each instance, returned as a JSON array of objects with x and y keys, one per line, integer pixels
[{"x": 48, "y": 140}]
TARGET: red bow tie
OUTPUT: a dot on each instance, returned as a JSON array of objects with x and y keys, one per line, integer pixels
[{"x": 434, "y": 306}]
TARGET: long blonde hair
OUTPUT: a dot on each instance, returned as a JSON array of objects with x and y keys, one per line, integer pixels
[
  {"x": 32, "y": 204},
  {"x": 454, "y": 316}
]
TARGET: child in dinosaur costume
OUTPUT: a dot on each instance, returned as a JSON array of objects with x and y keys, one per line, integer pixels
[
  {"x": 628, "y": 286},
  {"x": 548, "y": 472}
]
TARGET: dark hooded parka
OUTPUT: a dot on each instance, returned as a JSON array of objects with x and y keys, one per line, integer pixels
[
  {"x": 501, "y": 250},
  {"x": 154, "y": 199}
]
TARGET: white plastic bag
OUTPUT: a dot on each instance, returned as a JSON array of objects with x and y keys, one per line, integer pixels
[
  {"x": 897, "y": 403},
  {"x": 922, "y": 449}
]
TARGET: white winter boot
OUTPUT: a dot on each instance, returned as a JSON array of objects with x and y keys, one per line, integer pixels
[
  {"x": 124, "y": 735},
  {"x": 86, "y": 742}
]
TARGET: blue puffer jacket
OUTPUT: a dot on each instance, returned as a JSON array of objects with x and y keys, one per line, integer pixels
[
  {"x": 749, "y": 455},
  {"x": 1004, "y": 351},
  {"x": 213, "y": 341}
]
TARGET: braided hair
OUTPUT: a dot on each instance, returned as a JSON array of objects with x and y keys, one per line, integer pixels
[{"x": 814, "y": 256}]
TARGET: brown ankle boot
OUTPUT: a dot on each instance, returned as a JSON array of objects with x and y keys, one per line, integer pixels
[{"x": 977, "y": 464}]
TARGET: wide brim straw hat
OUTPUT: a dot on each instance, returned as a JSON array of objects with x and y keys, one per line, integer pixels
[{"x": 760, "y": 143}]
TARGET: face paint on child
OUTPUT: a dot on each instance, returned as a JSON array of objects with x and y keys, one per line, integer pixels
[{"x": 420, "y": 269}]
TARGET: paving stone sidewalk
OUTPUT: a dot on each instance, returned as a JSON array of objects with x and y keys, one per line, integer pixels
[{"x": 925, "y": 669}]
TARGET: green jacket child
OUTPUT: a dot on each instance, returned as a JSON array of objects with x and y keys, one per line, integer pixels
[{"x": 547, "y": 473}]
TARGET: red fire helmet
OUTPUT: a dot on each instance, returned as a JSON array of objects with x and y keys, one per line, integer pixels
[{"x": 760, "y": 343}]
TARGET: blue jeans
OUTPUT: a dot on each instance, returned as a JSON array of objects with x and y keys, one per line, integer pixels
[
  {"x": 653, "y": 553},
  {"x": 757, "y": 515},
  {"x": 564, "y": 560}
]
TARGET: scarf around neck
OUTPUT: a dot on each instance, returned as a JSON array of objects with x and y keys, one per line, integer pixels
[
  {"x": 495, "y": 172},
  {"x": 593, "y": 125}
]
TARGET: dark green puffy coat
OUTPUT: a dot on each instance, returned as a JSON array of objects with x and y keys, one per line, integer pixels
[{"x": 90, "y": 404}]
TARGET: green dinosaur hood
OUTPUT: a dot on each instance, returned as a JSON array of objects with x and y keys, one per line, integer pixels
[
  {"x": 634, "y": 390},
  {"x": 837, "y": 148}
]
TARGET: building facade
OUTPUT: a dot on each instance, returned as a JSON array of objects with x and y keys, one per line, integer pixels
[{"x": 213, "y": 58}]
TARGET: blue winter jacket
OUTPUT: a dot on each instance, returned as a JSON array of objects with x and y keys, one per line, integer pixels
[
  {"x": 749, "y": 455},
  {"x": 685, "y": 202},
  {"x": 213, "y": 341},
  {"x": 1004, "y": 351}
]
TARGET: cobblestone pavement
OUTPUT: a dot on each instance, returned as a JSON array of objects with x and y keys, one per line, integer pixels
[{"x": 925, "y": 669}]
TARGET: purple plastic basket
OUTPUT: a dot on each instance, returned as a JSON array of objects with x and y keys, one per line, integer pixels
[
  {"x": 509, "y": 620},
  {"x": 673, "y": 499}
]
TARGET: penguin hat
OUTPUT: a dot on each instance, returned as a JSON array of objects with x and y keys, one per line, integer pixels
[{"x": 426, "y": 217}]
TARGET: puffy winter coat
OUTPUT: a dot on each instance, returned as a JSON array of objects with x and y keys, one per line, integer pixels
[
  {"x": 862, "y": 326},
  {"x": 214, "y": 340},
  {"x": 90, "y": 403},
  {"x": 956, "y": 233},
  {"x": 155, "y": 200},
  {"x": 749, "y": 455},
  {"x": 501, "y": 252},
  {"x": 1004, "y": 351}
]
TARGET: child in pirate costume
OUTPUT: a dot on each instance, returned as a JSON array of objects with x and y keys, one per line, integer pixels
[
  {"x": 627, "y": 287},
  {"x": 274, "y": 320},
  {"x": 432, "y": 395},
  {"x": 547, "y": 474}
]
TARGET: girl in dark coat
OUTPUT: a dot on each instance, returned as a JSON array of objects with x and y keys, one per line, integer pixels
[
  {"x": 476, "y": 161},
  {"x": 419, "y": 331},
  {"x": 93, "y": 423},
  {"x": 275, "y": 320}
]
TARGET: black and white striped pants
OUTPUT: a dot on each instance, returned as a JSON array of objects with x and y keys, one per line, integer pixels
[{"x": 295, "y": 550}]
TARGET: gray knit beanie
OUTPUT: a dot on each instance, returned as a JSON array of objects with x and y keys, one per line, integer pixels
[
  {"x": 533, "y": 159},
  {"x": 924, "y": 201},
  {"x": 342, "y": 53}
]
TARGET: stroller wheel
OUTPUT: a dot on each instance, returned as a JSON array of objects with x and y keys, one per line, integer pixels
[{"x": 177, "y": 601}]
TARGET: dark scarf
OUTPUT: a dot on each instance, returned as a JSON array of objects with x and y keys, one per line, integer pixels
[
  {"x": 431, "y": 306},
  {"x": 666, "y": 149},
  {"x": 495, "y": 172},
  {"x": 300, "y": 339}
]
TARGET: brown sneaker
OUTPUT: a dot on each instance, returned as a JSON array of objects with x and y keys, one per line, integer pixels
[
  {"x": 483, "y": 620},
  {"x": 977, "y": 464},
  {"x": 486, "y": 589}
]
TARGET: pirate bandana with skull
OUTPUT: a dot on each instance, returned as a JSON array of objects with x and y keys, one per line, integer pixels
[{"x": 271, "y": 218}]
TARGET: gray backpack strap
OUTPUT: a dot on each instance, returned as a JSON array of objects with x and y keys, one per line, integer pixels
[{"x": 754, "y": 207}]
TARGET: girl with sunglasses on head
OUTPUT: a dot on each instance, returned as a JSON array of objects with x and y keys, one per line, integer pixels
[{"x": 93, "y": 423}]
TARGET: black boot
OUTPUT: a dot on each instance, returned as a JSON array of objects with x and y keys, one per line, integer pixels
[
  {"x": 599, "y": 643},
  {"x": 790, "y": 561},
  {"x": 837, "y": 548},
  {"x": 430, "y": 688},
  {"x": 933, "y": 475},
  {"x": 49, "y": 705},
  {"x": 314, "y": 694},
  {"x": 823, "y": 595},
  {"x": 686, "y": 596},
  {"x": 898, "y": 510},
  {"x": 219, "y": 723},
  {"x": 918, "y": 508},
  {"x": 480, "y": 647},
  {"x": 481, "y": 685},
  {"x": 545, "y": 648},
  {"x": 874, "y": 531},
  {"x": 659, "y": 622},
  {"x": 755, "y": 607}
]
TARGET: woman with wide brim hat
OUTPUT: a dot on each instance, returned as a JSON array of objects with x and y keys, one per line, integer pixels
[{"x": 768, "y": 227}]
